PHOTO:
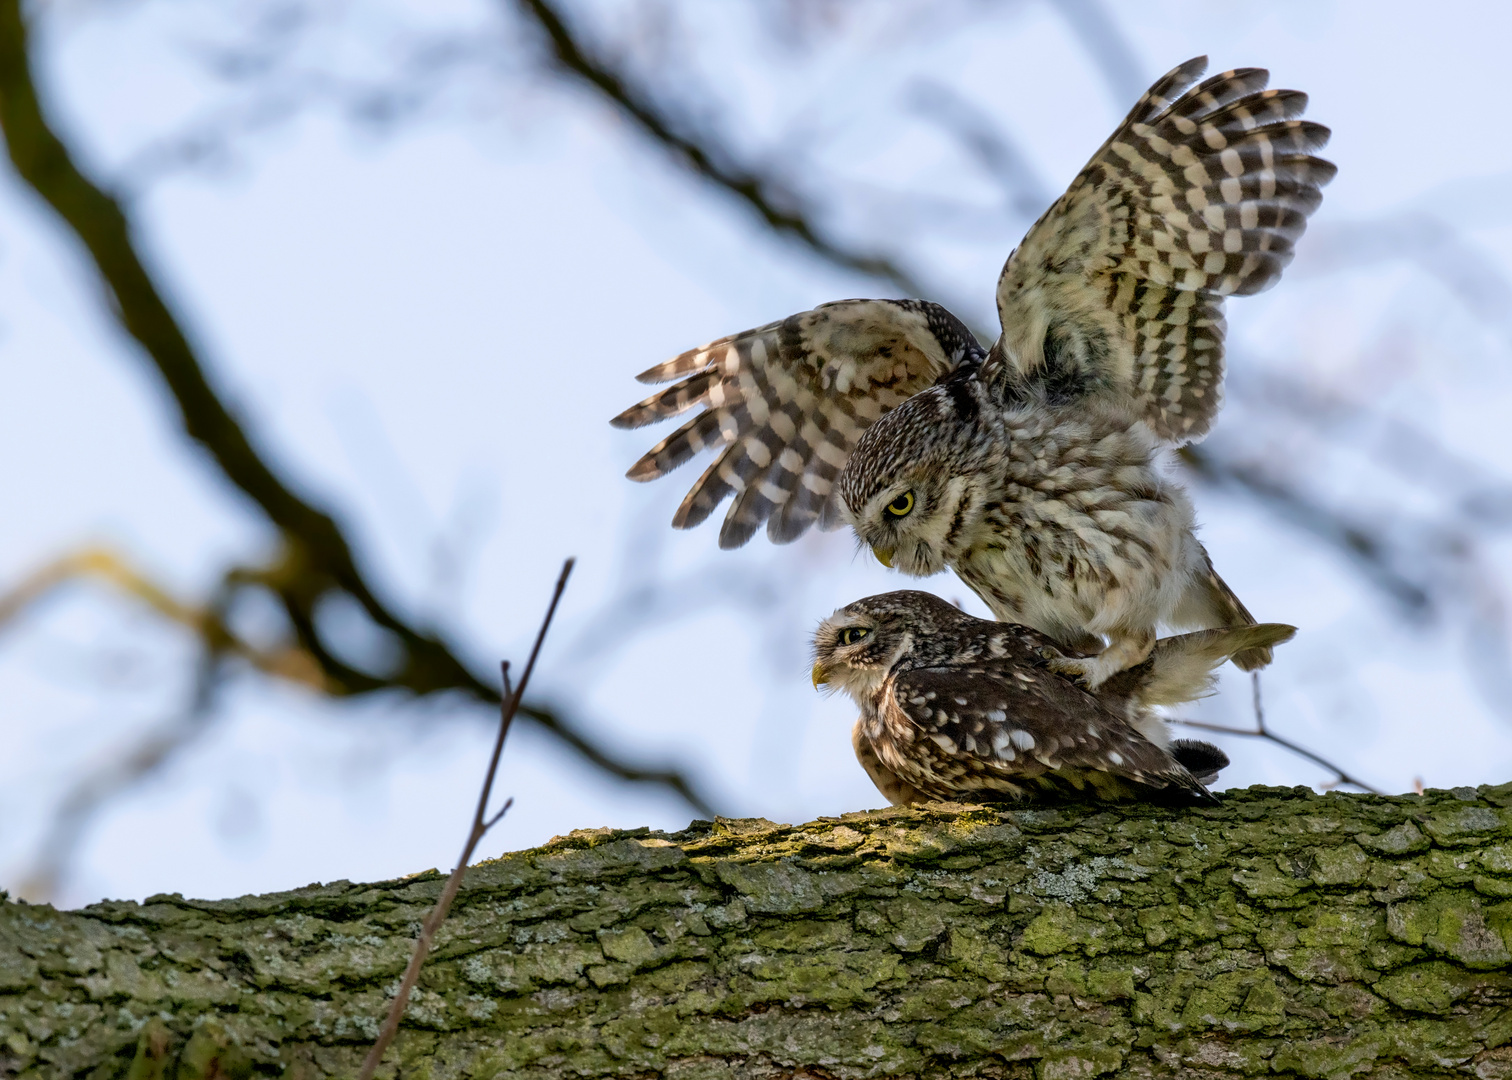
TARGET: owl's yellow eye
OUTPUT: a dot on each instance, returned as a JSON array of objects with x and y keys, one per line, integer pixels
[
  {"x": 852, "y": 634},
  {"x": 902, "y": 506}
]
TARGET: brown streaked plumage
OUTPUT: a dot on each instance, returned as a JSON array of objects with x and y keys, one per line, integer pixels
[
  {"x": 1036, "y": 468},
  {"x": 954, "y": 707}
]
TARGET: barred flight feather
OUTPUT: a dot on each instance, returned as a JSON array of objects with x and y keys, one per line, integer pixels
[
  {"x": 1030, "y": 469},
  {"x": 786, "y": 402},
  {"x": 1202, "y": 191}
]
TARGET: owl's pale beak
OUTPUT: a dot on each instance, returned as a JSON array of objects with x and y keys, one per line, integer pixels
[
  {"x": 821, "y": 675},
  {"x": 884, "y": 556}
]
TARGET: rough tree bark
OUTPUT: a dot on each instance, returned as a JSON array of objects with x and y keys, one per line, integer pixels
[{"x": 1280, "y": 934}]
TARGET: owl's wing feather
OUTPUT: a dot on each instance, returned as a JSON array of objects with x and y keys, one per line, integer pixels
[
  {"x": 784, "y": 405},
  {"x": 1202, "y": 192},
  {"x": 1025, "y": 721}
]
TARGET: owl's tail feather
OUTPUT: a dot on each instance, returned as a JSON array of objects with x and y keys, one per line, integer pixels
[
  {"x": 1208, "y": 601},
  {"x": 1202, "y": 759},
  {"x": 1232, "y": 612},
  {"x": 1181, "y": 668}
]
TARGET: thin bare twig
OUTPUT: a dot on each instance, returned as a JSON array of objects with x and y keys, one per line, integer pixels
[
  {"x": 508, "y": 706},
  {"x": 1263, "y": 732}
]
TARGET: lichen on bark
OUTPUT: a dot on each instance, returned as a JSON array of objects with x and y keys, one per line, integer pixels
[{"x": 1281, "y": 933}]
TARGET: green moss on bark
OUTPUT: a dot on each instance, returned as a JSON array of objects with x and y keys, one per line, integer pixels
[{"x": 1280, "y": 934}]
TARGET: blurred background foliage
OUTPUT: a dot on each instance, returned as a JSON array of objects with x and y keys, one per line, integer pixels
[{"x": 312, "y": 314}]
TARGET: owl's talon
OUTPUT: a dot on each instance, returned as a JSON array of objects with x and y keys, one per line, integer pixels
[{"x": 1080, "y": 670}]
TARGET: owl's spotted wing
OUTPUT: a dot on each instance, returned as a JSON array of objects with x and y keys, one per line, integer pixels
[
  {"x": 785, "y": 404},
  {"x": 1000, "y": 726},
  {"x": 1201, "y": 193}
]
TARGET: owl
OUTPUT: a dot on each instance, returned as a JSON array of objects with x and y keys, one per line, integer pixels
[
  {"x": 959, "y": 708},
  {"x": 1036, "y": 468}
]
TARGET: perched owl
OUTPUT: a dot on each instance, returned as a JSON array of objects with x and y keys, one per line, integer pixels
[
  {"x": 954, "y": 707},
  {"x": 1034, "y": 469}
]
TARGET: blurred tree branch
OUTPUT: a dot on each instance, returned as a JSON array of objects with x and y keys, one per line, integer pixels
[
  {"x": 1361, "y": 541},
  {"x": 117, "y": 774},
  {"x": 778, "y": 206},
  {"x": 1421, "y": 559},
  {"x": 316, "y": 560}
]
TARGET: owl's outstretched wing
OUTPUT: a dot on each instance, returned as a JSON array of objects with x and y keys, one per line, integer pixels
[
  {"x": 1201, "y": 193},
  {"x": 994, "y": 725},
  {"x": 786, "y": 402}
]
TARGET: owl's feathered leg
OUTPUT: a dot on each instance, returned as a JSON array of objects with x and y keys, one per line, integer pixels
[
  {"x": 1125, "y": 649},
  {"x": 1180, "y": 669}
]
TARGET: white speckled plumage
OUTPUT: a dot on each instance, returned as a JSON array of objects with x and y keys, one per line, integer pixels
[{"x": 954, "y": 707}]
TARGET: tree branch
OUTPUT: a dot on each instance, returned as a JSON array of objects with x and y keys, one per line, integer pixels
[
  {"x": 1262, "y": 732},
  {"x": 120, "y": 772},
  {"x": 1282, "y": 933},
  {"x": 317, "y": 558},
  {"x": 777, "y": 206}
]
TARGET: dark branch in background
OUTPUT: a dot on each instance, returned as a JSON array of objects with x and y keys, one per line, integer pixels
[
  {"x": 316, "y": 561},
  {"x": 1110, "y": 50},
  {"x": 778, "y": 206},
  {"x": 480, "y": 826}
]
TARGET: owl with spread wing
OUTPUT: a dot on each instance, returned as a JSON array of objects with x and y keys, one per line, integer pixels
[
  {"x": 959, "y": 708},
  {"x": 1035, "y": 469}
]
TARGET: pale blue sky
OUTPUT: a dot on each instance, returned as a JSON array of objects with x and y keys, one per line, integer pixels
[{"x": 429, "y": 326}]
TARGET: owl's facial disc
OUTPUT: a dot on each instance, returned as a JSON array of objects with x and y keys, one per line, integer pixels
[
  {"x": 911, "y": 524},
  {"x": 854, "y": 651}
]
